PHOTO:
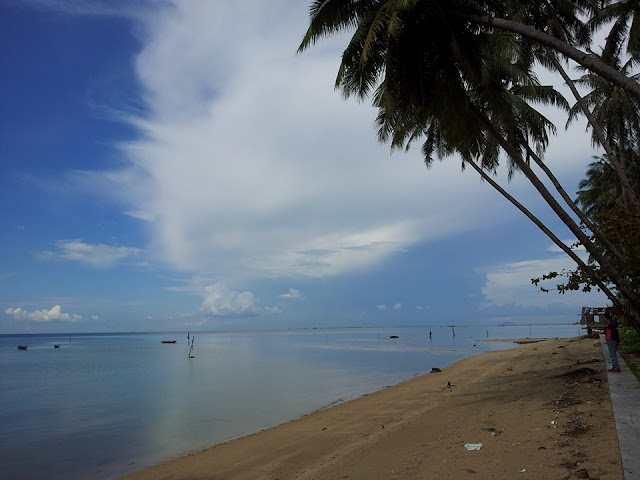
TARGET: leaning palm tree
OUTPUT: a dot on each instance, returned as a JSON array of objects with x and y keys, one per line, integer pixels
[
  {"x": 599, "y": 190},
  {"x": 562, "y": 47},
  {"x": 601, "y": 197},
  {"x": 430, "y": 72},
  {"x": 625, "y": 16},
  {"x": 618, "y": 114},
  {"x": 332, "y": 16}
]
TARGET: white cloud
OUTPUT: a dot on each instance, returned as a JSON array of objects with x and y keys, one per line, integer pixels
[
  {"x": 249, "y": 163},
  {"x": 510, "y": 284},
  {"x": 220, "y": 301},
  {"x": 53, "y": 315},
  {"x": 382, "y": 307},
  {"x": 96, "y": 255},
  {"x": 397, "y": 306},
  {"x": 292, "y": 294}
]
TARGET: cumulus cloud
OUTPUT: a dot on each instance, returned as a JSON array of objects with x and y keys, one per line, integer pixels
[
  {"x": 397, "y": 306},
  {"x": 221, "y": 301},
  {"x": 97, "y": 255},
  {"x": 43, "y": 316},
  {"x": 382, "y": 307},
  {"x": 292, "y": 294}
]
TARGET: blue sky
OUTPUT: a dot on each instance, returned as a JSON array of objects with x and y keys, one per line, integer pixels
[{"x": 176, "y": 166}]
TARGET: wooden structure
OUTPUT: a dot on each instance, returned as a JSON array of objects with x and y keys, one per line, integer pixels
[{"x": 593, "y": 317}]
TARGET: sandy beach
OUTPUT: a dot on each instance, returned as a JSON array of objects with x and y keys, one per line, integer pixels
[{"x": 540, "y": 410}]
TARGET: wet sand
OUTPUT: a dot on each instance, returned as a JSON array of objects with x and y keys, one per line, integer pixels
[{"x": 541, "y": 410}]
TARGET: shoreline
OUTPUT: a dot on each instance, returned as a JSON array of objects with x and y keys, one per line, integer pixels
[
  {"x": 519, "y": 341},
  {"x": 535, "y": 407}
]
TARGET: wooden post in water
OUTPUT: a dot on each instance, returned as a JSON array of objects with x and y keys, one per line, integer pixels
[{"x": 193, "y": 339}]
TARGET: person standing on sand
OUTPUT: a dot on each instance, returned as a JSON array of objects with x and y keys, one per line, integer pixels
[{"x": 612, "y": 337}]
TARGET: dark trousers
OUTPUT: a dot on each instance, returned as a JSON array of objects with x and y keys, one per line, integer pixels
[{"x": 613, "y": 353}]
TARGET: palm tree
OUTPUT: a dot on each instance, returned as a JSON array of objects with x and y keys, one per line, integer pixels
[
  {"x": 582, "y": 58},
  {"x": 618, "y": 114},
  {"x": 591, "y": 274},
  {"x": 328, "y": 17},
  {"x": 599, "y": 190},
  {"x": 601, "y": 197},
  {"x": 625, "y": 16},
  {"x": 434, "y": 71},
  {"x": 562, "y": 19}
]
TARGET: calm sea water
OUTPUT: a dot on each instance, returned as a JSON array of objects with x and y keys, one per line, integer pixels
[{"x": 105, "y": 404}]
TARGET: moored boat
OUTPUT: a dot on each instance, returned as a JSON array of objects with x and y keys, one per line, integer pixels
[
  {"x": 168, "y": 341},
  {"x": 22, "y": 347}
]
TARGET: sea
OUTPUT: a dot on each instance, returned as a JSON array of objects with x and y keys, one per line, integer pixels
[{"x": 102, "y": 405}]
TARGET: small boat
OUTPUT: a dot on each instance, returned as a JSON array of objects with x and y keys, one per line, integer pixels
[
  {"x": 393, "y": 336},
  {"x": 168, "y": 341},
  {"x": 56, "y": 345},
  {"x": 22, "y": 347}
]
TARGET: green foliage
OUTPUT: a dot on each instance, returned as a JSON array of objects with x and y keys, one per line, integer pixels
[
  {"x": 630, "y": 349},
  {"x": 577, "y": 279},
  {"x": 634, "y": 367},
  {"x": 629, "y": 340}
]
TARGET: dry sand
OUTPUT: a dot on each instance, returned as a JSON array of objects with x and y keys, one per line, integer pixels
[{"x": 541, "y": 411}]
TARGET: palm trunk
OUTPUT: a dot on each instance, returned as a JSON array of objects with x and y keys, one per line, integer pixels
[
  {"x": 590, "y": 63},
  {"x": 616, "y": 277},
  {"x": 581, "y": 215},
  {"x": 546, "y": 231},
  {"x": 628, "y": 192},
  {"x": 597, "y": 129}
]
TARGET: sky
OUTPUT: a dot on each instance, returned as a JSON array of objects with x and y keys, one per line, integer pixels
[{"x": 176, "y": 165}]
